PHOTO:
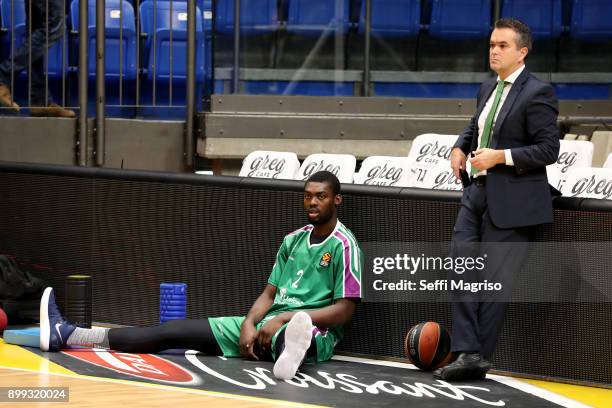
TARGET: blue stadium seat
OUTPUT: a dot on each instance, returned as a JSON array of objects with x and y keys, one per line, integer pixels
[
  {"x": 314, "y": 17},
  {"x": 591, "y": 20},
  {"x": 158, "y": 48},
  {"x": 55, "y": 66},
  {"x": 543, "y": 17},
  {"x": 256, "y": 16},
  {"x": 5, "y": 17},
  {"x": 6, "y": 25},
  {"x": 207, "y": 12},
  {"x": 393, "y": 18},
  {"x": 157, "y": 22},
  {"x": 460, "y": 19},
  {"x": 120, "y": 38}
]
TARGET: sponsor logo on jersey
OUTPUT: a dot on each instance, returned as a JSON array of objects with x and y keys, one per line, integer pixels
[
  {"x": 283, "y": 299},
  {"x": 145, "y": 366},
  {"x": 325, "y": 260}
]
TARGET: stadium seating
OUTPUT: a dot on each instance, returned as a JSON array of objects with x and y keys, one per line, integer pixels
[
  {"x": 159, "y": 27},
  {"x": 256, "y": 16},
  {"x": 591, "y": 20},
  {"x": 314, "y": 38},
  {"x": 455, "y": 36},
  {"x": 7, "y": 26},
  {"x": 120, "y": 38},
  {"x": 207, "y": 13},
  {"x": 608, "y": 163},
  {"x": 543, "y": 17},
  {"x": 316, "y": 17},
  {"x": 460, "y": 19},
  {"x": 393, "y": 18},
  {"x": 55, "y": 67},
  {"x": 384, "y": 171},
  {"x": 588, "y": 45},
  {"x": 589, "y": 182},
  {"x": 395, "y": 28},
  {"x": 270, "y": 164},
  {"x": 259, "y": 24},
  {"x": 165, "y": 53},
  {"x": 342, "y": 165},
  {"x": 572, "y": 154},
  {"x": 450, "y": 34}
]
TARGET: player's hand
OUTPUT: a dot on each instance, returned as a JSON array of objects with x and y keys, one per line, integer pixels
[
  {"x": 484, "y": 159},
  {"x": 268, "y": 331},
  {"x": 457, "y": 159},
  {"x": 248, "y": 337}
]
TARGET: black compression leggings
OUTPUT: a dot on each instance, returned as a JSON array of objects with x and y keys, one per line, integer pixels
[{"x": 192, "y": 334}]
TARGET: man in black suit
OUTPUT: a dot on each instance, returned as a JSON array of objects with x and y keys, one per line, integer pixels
[{"x": 509, "y": 141}]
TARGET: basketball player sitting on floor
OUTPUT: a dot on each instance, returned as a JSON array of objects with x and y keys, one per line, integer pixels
[{"x": 311, "y": 293}]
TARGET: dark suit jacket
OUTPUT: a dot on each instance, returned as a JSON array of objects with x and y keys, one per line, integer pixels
[{"x": 519, "y": 195}]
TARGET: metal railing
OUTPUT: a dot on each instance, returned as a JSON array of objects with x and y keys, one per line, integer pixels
[{"x": 33, "y": 49}]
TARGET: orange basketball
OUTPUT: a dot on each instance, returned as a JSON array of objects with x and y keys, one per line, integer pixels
[{"x": 427, "y": 346}]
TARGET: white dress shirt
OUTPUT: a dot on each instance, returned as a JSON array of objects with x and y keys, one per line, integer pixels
[{"x": 487, "y": 108}]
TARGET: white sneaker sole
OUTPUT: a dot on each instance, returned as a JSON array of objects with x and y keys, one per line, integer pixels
[
  {"x": 45, "y": 326},
  {"x": 298, "y": 335}
]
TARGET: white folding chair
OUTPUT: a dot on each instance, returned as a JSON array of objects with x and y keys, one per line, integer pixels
[
  {"x": 608, "y": 163},
  {"x": 439, "y": 177},
  {"x": 270, "y": 164},
  {"x": 589, "y": 182},
  {"x": 342, "y": 165},
  {"x": 384, "y": 171},
  {"x": 572, "y": 153},
  {"x": 431, "y": 149}
]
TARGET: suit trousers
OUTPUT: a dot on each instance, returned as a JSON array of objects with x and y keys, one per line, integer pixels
[{"x": 477, "y": 317}]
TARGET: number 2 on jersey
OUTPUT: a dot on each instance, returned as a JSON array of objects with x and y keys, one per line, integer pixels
[{"x": 299, "y": 273}]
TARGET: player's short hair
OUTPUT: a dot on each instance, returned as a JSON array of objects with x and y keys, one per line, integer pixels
[
  {"x": 328, "y": 177},
  {"x": 522, "y": 30}
]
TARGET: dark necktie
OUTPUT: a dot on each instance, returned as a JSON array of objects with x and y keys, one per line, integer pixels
[{"x": 488, "y": 127}]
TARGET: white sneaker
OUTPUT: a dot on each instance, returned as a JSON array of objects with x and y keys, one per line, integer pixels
[{"x": 298, "y": 335}]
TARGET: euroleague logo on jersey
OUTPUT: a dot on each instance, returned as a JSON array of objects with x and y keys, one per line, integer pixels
[
  {"x": 146, "y": 366},
  {"x": 325, "y": 260}
]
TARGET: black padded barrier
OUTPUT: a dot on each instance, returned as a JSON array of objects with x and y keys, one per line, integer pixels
[{"x": 133, "y": 230}]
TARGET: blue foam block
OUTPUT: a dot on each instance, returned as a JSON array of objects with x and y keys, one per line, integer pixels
[{"x": 23, "y": 337}]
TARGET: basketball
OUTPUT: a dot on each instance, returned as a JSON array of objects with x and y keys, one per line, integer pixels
[
  {"x": 3, "y": 320},
  {"x": 427, "y": 346}
]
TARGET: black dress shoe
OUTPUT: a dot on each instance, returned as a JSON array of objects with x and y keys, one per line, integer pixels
[{"x": 467, "y": 366}]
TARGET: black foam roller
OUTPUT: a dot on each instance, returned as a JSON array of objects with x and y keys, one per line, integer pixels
[{"x": 78, "y": 300}]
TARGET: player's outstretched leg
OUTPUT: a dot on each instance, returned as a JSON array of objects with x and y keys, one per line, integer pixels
[
  {"x": 54, "y": 330},
  {"x": 298, "y": 335}
]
